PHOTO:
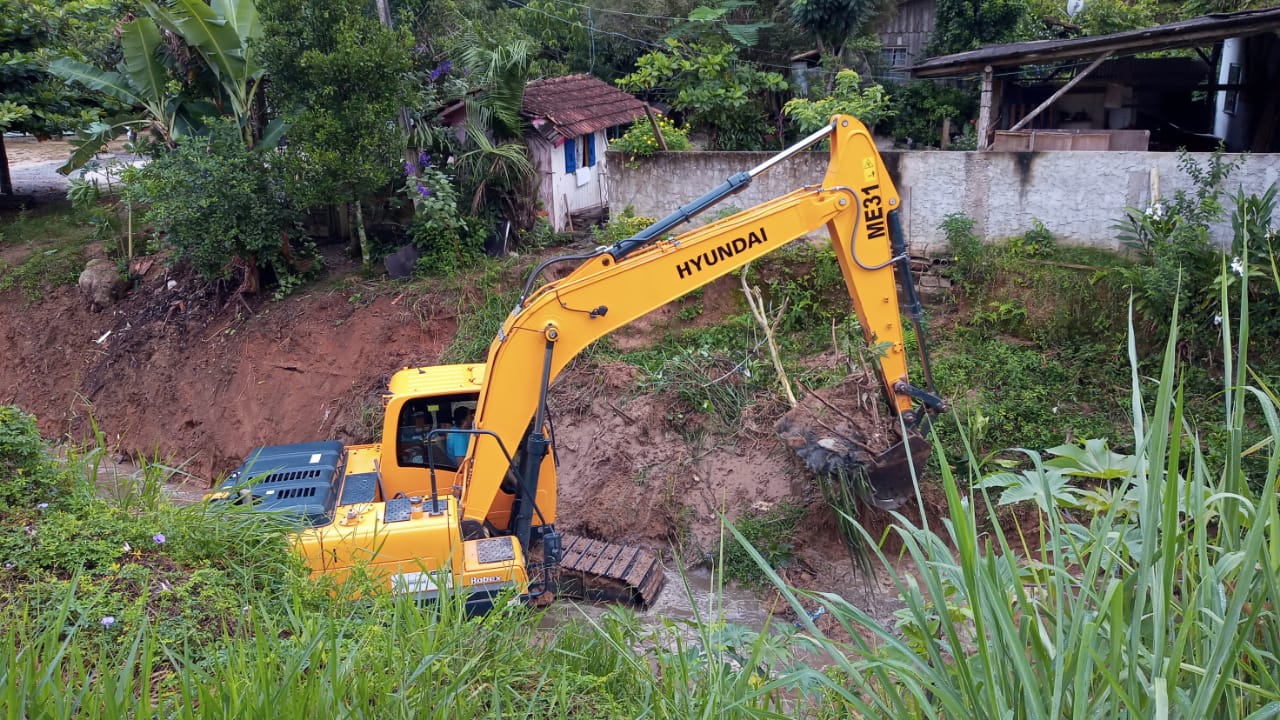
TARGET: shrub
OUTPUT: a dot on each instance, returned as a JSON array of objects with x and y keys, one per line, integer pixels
[
  {"x": 921, "y": 105},
  {"x": 28, "y": 476},
  {"x": 969, "y": 257},
  {"x": 639, "y": 140},
  {"x": 626, "y": 224},
  {"x": 439, "y": 231},
  {"x": 1177, "y": 261},
  {"x": 869, "y": 104},
  {"x": 222, "y": 207}
]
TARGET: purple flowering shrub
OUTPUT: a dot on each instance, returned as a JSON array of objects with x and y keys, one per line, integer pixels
[{"x": 440, "y": 230}]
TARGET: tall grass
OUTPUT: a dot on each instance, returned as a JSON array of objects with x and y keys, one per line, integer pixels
[
  {"x": 218, "y": 619},
  {"x": 1161, "y": 603}
]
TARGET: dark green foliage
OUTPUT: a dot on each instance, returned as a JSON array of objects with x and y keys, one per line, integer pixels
[
  {"x": 447, "y": 240},
  {"x": 969, "y": 264},
  {"x": 221, "y": 206},
  {"x": 833, "y": 22},
  {"x": 718, "y": 93},
  {"x": 922, "y": 105},
  {"x": 33, "y": 32},
  {"x": 28, "y": 476},
  {"x": 626, "y": 224},
  {"x": 962, "y": 25},
  {"x": 772, "y": 533},
  {"x": 339, "y": 78},
  {"x": 1009, "y": 393},
  {"x": 1255, "y": 248}
]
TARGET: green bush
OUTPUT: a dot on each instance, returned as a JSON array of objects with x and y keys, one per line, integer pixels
[
  {"x": 639, "y": 140},
  {"x": 869, "y": 104},
  {"x": 970, "y": 264},
  {"x": 221, "y": 206},
  {"x": 772, "y": 533},
  {"x": 625, "y": 225},
  {"x": 920, "y": 107},
  {"x": 1177, "y": 262},
  {"x": 28, "y": 476},
  {"x": 440, "y": 231}
]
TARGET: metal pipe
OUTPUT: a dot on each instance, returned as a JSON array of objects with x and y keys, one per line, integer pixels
[{"x": 735, "y": 183}]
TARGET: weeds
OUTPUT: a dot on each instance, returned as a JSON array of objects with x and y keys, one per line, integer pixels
[
  {"x": 55, "y": 252},
  {"x": 1150, "y": 591},
  {"x": 772, "y": 533}
]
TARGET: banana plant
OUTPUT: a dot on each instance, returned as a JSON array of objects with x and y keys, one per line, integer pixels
[{"x": 219, "y": 33}]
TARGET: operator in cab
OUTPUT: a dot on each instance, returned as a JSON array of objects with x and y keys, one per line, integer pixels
[{"x": 456, "y": 444}]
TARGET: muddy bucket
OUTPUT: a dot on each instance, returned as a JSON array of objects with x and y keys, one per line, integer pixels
[{"x": 842, "y": 431}]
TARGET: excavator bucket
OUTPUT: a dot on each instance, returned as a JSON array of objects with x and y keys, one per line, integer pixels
[{"x": 845, "y": 432}]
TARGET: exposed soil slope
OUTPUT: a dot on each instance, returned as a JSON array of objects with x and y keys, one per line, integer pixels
[{"x": 201, "y": 382}]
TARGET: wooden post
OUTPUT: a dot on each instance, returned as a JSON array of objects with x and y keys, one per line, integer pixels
[
  {"x": 6, "y": 183},
  {"x": 946, "y": 133},
  {"x": 657, "y": 131},
  {"x": 984, "y": 110},
  {"x": 1061, "y": 91}
]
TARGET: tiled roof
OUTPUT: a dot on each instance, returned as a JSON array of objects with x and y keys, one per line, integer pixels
[{"x": 573, "y": 105}]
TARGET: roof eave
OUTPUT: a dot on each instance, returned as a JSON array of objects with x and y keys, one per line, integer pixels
[{"x": 1190, "y": 33}]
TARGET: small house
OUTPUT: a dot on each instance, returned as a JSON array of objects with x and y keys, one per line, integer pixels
[{"x": 572, "y": 118}]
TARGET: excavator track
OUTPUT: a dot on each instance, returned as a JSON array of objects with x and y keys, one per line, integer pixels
[{"x": 599, "y": 571}]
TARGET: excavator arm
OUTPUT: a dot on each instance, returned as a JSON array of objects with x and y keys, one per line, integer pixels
[{"x": 856, "y": 202}]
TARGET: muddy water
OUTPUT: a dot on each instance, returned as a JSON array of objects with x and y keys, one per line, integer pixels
[{"x": 118, "y": 476}]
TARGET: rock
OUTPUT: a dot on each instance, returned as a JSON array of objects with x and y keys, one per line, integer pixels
[{"x": 101, "y": 284}]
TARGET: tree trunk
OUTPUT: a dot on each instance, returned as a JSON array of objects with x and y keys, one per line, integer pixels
[
  {"x": 366, "y": 253},
  {"x": 6, "y": 183}
]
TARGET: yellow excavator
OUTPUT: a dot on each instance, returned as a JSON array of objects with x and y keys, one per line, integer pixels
[{"x": 460, "y": 493}]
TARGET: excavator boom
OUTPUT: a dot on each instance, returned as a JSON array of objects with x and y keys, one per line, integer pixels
[{"x": 856, "y": 202}]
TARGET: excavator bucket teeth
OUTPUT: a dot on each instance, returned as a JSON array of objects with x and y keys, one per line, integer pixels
[{"x": 599, "y": 571}]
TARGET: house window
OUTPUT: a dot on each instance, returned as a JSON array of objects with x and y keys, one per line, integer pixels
[
  {"x": 570, "y": 155},
  {"x": 579, "y": 152},
  {"x": 1233, "y": 95},
  {"x": 894, "y": 56}
]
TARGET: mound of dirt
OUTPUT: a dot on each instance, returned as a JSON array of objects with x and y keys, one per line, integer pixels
[{"x": 198, "y": 378}]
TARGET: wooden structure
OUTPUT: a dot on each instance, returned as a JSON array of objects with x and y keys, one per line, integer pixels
[
  {"x": 1252, "y": 78},
  {"x": 571, "y": 117},
  {"x": 904, "y": 38}
]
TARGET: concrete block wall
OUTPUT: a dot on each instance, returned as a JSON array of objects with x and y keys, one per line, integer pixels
[{"x": 1078, "y": 195}]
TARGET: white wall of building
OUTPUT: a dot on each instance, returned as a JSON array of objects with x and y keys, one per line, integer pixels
[{"x": 563, "y": 193}]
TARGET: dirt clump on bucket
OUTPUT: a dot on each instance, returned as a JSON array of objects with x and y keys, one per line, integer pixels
[{"x": 840, "y": 427}]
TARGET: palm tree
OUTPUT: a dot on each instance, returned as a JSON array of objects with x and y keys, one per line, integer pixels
[{"x": 496, "y": 161}]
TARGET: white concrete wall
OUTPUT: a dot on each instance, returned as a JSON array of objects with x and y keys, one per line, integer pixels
[
  {"x": 1078, "y": 195},
  {"x": 560, "y": 192}
]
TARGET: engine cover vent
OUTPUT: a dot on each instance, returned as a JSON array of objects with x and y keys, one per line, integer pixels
[{"x": 301, "y": 479}]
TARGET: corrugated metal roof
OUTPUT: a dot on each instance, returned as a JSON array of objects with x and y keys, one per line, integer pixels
[
  {"x": 1187, "y": 33},
  {"x": 573, "y": 105}
]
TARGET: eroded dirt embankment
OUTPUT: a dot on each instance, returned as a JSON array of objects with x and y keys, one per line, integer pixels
[{"x": 201, "y": 383}]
